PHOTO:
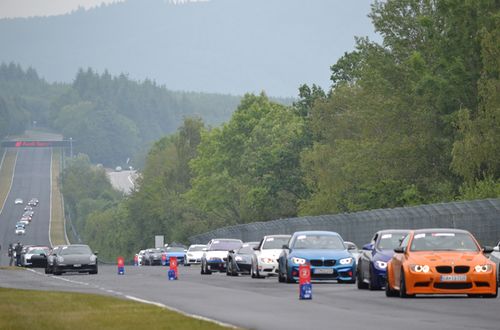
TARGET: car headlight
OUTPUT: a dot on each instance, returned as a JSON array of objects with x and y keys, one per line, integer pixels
[
  {"x": 266, "y": 260},
  {"x": 298, "y": 261},
  {"x": 190, "y": 255},
  {"x": 482, "y": 268},
  {"x": 381, "y": 264},
  {"x": 238, "y": 258},
  {"x": 93, "y": 260},
  {"x": 345, "y": 261},
  {"x": 420, "y": 268},
  {"x": 60, "y": 259}
]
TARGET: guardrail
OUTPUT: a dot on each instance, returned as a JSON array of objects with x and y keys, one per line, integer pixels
[{"x": 480, "y": 217}]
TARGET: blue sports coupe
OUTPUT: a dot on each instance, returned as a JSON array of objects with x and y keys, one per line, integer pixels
[
  {"x": 372, "y": 264},
  {"x": 177, "y": 252},
  {"x": 325, "y": 251}
]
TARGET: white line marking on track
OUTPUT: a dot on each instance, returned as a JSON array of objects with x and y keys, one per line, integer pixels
[{"x": 173, "y": 309}]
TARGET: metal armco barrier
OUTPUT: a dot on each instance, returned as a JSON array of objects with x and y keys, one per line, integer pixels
[{"x": 480, "y": 217}]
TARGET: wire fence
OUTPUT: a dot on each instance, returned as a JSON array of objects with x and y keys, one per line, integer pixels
[{"x": 480, "y": 217}]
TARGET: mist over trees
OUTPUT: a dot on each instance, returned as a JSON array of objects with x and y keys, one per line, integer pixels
[{"x": 110, "y": 118}]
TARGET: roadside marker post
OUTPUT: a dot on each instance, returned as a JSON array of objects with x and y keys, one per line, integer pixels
[
  {"x": 121, "y": 266},
  {"x": 172, "y": 273},
  {"x": 305, "y": 287}
]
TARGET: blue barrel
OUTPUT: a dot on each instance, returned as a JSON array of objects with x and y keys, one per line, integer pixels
[{"x": 305, "y": 291}]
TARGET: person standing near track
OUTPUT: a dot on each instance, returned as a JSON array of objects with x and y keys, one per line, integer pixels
[
  {"x": 18, "y": 250},
  {"x": 10, "y": 253}
]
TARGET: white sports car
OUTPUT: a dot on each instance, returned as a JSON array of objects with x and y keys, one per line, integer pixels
[
  {"x": 215, "y": 256},
  {"x": 265, "y": 259},
  {"x": 194, "y": 254}
]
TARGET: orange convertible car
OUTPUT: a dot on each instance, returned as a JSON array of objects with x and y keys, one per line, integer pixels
[{"x": 441, "y": 261}]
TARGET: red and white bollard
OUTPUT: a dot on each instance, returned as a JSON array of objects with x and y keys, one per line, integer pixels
[
  {"x": 172, "y": 273},
  {"x": 305, "y": 287},
  {"x": 121, "y": 265}
]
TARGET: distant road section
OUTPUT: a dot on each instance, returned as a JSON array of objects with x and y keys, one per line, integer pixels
[{"x": 123, "y": 180}]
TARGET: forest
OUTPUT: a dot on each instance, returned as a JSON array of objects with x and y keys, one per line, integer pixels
[
  {"x": 110, "y": 118},
  {"x": 411, "y": 120}
]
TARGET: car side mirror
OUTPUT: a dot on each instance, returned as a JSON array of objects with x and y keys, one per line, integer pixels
[
  {"x": 285, "y": 247},
  {"x": 256, "y": 248},
  {"x": 399, "y": 249},
  {"x": 231, "y": 251},
  {"x": 487, "y": 249},
  {"x": 496, "y": 249},
  {"x": 368, "y": 247}
]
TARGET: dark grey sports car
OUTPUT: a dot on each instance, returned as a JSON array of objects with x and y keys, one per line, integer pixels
[
  {"x": 74, "y": 258},
  {"x": 240, "y": 261}
]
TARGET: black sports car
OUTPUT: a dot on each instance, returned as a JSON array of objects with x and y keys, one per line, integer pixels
[{"x": 240, "y": 261}]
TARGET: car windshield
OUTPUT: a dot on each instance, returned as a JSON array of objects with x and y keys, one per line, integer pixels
[
  {"x": 175, "y": 249},
  {"x": 443, "y": 241},
  {"x": 390, "y": 241},
  {"x": 223, "y": 245},
  {"x": 82, "y": 249},
  {"x": 319, "y": 241},
  {"x": 156, "y": 251},
  {"x": 275, "y": 243},
  {"x": 196, "y": 248},
  {"x": 246, "y": 249},
  {"x": 38, "y": 251}
]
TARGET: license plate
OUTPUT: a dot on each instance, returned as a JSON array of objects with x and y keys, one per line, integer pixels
[
  {"x": 323, "y": 271},
  {"x": 77, "y": 265},
  {"x": 453, "y": 278}
]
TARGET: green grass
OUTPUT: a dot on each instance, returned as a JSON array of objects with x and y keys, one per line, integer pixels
[
  {"x": 28, "y": 309},
  {"x": 57, "y": 218},
  {"x": 6, "y": 173}
]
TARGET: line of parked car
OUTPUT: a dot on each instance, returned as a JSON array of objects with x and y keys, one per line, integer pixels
[
  {"x": 403, "y": 262},
  {"x": 27, "y": 215}
]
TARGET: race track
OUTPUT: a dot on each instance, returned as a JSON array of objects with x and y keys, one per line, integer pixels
[{"x": 240, "y": 301}]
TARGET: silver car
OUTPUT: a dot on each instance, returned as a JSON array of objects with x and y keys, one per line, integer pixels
[{"x": 74, "y": 258}]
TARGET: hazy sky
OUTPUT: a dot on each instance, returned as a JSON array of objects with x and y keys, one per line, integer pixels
[{"x": 26, "y": 8}]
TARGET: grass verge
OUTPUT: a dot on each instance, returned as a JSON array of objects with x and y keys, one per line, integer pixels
[
  {"x": 28, "y": 309},
  {"x": 6, "y": 172},
  {"x": 57, "y": 235}
]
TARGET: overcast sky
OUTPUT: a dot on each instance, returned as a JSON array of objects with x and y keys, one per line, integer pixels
[{"x": 27, "y": 8}]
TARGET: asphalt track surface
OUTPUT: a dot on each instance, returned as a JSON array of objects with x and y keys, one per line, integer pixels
[
  {"x": 240, "y": 301},
  {"x": 31, "y": 179}
]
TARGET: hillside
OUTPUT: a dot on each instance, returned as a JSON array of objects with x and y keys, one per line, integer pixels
[{"x": 221, "y": 46}]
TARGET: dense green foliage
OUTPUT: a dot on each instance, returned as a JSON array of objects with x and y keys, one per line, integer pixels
[
  {"x": 109, "y": 118},
  {"x": 412, "y": 121}
]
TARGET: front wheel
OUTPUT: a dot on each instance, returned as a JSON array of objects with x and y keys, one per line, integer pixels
[
  {"x": 389, "y": 292},
  {"x": 402, "y": 287},
  {"x": 361, "y": 284},
  {"x": 288, "y": 279},
  {"x": 372, "y": 282}
]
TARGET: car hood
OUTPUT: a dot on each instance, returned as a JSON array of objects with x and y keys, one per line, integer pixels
[
  {"x": 445, "y": 257},
  {"x": 383, "y": 255},
  {"x": 320, "y": 253},
  {"x": 175, "y": 254},
  {"x": 216, "y": 254},
  {"x": 271, "y": 253},
  {"x": 196, "y": 254}
]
